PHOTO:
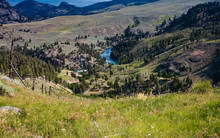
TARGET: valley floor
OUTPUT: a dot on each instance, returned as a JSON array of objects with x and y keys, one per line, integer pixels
[{"x": 171, "y": 115}]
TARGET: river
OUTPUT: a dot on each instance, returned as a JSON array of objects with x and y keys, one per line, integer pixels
[{"x": 107, "y": 56}]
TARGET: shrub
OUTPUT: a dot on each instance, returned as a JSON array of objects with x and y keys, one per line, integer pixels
[
  {"x": 2, "y": 91},
  {"x": 202, "y": 87},
  {"x": 6, "y": 90}
]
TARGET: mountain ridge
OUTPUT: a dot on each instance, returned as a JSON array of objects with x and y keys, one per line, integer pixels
[
  {"x": 42, "y": 11},
  {"x": 8, "y": 14}
]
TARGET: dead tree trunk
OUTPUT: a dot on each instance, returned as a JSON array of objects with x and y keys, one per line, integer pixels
[
  {"x": 42, "y": 89},
  {"x": 45, "y": 90},
  {"x": 18, "y": 75},
  {"x": 50, "y": 90},
  {"x": 11, "y": 55},
  {"x": 11, "y": 66},
  {"x": 33, "y": 85}
]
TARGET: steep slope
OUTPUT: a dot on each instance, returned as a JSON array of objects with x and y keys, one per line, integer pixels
[
  {"x": 8, "y": 14},
  {"x": 189, "y": 49},
  {"x": 202, "y": 15},
  {"x": 34, "y": 10},
  {"x": 201, "y": 55}
]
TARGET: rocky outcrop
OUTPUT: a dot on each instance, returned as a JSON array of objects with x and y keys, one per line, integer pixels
[{"x": 8, "y": 14}]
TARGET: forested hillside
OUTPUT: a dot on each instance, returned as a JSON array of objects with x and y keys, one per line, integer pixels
[
  {"x": 202, "y": 15},
  {"x": 188, "y": 45},
  {"x": 28, "y": 67}
]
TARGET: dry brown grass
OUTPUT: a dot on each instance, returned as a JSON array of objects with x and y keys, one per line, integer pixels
[{"x": 100, "y": 25}]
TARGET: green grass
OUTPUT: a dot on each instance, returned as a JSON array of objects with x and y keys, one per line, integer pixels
[
  {"x": 162, "y": 18},
  {"x": 63, "y": 75},
  {"x": 171, "y": 115},
  {"x": 202, "y": 87}
]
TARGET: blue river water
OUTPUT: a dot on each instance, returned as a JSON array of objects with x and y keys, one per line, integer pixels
[{"x": 107, "y": 56}]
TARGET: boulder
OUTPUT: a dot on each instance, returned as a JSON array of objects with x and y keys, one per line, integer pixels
[{"x": 10, "y": 109}]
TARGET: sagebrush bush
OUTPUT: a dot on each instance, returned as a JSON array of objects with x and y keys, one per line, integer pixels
[
  {"x": 202, "y": 87},
  {"x": 2, "y": 91},
  {"x": 6, "y": 90}
]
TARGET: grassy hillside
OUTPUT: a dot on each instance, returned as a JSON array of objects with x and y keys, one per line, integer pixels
[
  {"x": 192, "y": 114},
  {"x": 109, "y": 23}
]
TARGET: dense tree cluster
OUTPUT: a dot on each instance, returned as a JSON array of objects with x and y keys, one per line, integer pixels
[
  {"x": 91, "y": 51},
  {"x": 39, "y": 52},
  {"x": 28, "y": 66},
  {"x": 78, "y": 88},
  {"x": 123, "y": 53},
  {"x": 123, "y": 44},
  {"x": 208, "y": 32},
  {"x": 202, "y": 15},
  {"x": 154, "y": 85},
  {"x": 216, "y": 65}
]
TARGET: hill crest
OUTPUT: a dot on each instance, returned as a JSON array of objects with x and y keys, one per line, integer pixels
[
  {"x": 8, "y": 14},
  {"x": 37, "y": 11}
]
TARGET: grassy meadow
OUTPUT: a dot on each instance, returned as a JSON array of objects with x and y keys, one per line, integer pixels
[{"x": 193, "y": 114}]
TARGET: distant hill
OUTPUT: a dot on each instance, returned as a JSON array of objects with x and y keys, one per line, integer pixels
[
  {"x": 37, "y": 11},
  {"x": 102, "y": 6},
  {"x": 8, "y": 14}
]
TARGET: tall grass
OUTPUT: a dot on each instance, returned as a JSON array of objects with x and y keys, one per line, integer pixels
[
  {"x": 172, "y": 115},
  {"x": 202, "y": 87},
  {"x": 2, "y": 91}
]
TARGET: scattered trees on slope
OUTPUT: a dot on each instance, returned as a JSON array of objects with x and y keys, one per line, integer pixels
[{"x": 28, "y": 66}]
